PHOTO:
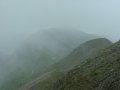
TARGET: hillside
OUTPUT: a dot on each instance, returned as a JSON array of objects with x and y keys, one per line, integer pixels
[
  {"x": 99, "y": 73},
  {"x": 47, "y": 47},
  {"x": 3, "y": 66},
  {"x": 85, "y": 50},
  {"x": 78, "y": 55},
  {"x": 40, "y": 51}
]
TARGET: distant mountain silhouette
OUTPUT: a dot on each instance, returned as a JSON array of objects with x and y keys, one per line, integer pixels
[{"x": 40, "y": 51}]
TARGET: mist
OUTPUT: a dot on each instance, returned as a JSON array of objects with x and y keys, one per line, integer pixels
[
  {"x": 21, "y": 18},
  {"x": 28, "y": 47}
]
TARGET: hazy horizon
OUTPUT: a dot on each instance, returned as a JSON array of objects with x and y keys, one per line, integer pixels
[{"x": 21, "y": 18}]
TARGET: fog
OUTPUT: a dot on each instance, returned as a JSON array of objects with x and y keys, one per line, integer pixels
[
  {"x": 21, "y": 18},
  {"x": 25, "y": 53}
]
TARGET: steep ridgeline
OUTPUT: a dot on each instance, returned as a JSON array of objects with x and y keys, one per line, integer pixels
[
  {"x": 99, "y": 73},
  {"x": 39, "y": 52},
  {"x": 47, "y": 47},
  {"x": 85, "y": 50}
]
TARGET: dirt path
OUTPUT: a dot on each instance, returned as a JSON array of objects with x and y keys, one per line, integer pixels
[{"x": 34, "y": 82}]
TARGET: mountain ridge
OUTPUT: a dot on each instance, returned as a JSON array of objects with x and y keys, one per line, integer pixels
[
  {"x": 69, "y": 63},
  {"x": 41, "y": 51},
  {"x": 99, "y": 73},
  {"x": 85, "y": 50}
]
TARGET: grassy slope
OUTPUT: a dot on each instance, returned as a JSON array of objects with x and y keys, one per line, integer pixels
[
  {"x": 99, "y": 73},
  {"x": 40, "y": 52},
  {"x": 84, "y": 51}
]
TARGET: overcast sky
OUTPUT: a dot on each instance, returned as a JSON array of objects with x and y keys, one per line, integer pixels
[{"x": 20, "y": 18}]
